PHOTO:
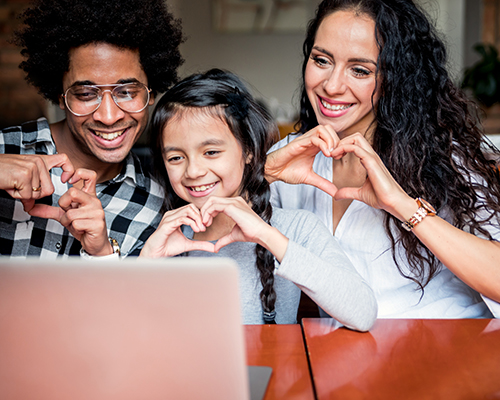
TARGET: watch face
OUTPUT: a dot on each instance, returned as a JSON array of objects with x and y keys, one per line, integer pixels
[{"x": 425, "y": 204}]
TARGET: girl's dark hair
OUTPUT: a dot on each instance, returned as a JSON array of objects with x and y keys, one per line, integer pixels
[
  {"x": 427, "y": 132},
  {"x": 223, "y": 95},
  {"x": 53, "y": 27}
]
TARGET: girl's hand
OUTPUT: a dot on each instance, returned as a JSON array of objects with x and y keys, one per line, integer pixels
[
  {"x": 80, "y": 211},
  {"x": 293, "y": 163},
  {"x": 380, "y": 189},
  {"x": 249, "y": 227},
  {"x": 168, "y": 240}
]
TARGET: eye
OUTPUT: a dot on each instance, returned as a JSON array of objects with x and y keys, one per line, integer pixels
[
  {"x": 360, "y": 72},
  {"x": 126, "y": 91},
  {"x": 174, "y": 159},
  {"x": 212, "y": 153},
  {"x": 83, "y": 93},
  {"x": 320, "y": 61}
]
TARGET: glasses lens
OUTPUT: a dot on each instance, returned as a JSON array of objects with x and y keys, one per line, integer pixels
[
  {"x": 83, "y": 100},
  {"x": 131, "y": 97}
]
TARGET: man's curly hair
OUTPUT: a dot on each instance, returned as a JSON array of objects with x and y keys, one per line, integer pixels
[{"x": 53, "y": 27}]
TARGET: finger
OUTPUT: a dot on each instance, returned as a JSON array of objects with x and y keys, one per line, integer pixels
[
  {"x": 75, "y": 198},
  {"x": 348, "y": 193},
  {"x": 329, "y": 137},
  {"x": 208, "y": 211},
  {"x": 323, "y": 184},
  {"x": 62, "y": 161},
  {"x": 359, "y": 140},
  {"x": 95, "y": 214},
  {"x": 223, "y": 241},
  {"x": 25, "y": 178},
  {"x": 227, "y": 205},
  {"x": 28, "y": 204},
  {"x": 46, "y": 211},
  {"x": 200, "y": 245},
  {"x": 190, "y": 211},
  {"x": 344, "y": 148},
  {"x": 88, "y": 177}
]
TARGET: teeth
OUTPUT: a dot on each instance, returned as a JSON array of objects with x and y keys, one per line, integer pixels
[
  {"x": 109, "y": 136},
  {"x": 335, "y": 107},
  {"x": 202, "y": 188}
]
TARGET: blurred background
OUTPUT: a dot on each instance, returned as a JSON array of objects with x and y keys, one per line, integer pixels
[{"x": 261, "y": 41}]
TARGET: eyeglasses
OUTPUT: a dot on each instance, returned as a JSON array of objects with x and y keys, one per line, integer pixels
[{"x": 83, "y": 100}]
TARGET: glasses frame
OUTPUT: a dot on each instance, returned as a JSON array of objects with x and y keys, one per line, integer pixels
[{"x": 113, "y": 86}]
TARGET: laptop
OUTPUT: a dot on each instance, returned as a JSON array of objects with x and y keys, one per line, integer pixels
[{"x": 129, "y": 329}]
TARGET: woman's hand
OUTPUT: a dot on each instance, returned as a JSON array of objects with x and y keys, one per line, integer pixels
[
  {"x": 168, "y": 240},
  {"x": 249, "y": 227},
  {"x": 380, "y": 190},
  {"x": 294, "y": 162}
]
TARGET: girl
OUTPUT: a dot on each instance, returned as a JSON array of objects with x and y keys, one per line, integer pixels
[
  {"x": 209, "y": 143},
  {"x": 386, "y": 139}
]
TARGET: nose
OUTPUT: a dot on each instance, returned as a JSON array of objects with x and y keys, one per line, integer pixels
[
  {"x": 108, "y": 112},
  {"x": 335, "y": 83},
  {"x": 195, "y": 169}
]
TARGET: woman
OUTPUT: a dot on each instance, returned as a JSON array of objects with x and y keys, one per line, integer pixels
[{"x": 382, "y": 128}]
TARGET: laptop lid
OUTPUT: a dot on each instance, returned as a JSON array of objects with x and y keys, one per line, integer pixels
[{"x": 130, "y": 329}]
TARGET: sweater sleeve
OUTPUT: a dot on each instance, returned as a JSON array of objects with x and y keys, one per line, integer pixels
[{"x": 315, "y": 262}]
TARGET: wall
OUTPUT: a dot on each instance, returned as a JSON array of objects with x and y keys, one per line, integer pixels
[{"x": 269, "y": 62}]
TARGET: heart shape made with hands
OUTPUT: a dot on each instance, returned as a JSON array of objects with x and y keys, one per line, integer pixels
[
  {"x": 84, "y": 185},
  {"x": 235, "y": 222}
]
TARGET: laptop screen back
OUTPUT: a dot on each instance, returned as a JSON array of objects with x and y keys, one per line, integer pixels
[{"x": 131, "y": 329}]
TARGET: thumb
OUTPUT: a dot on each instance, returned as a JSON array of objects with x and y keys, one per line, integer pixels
[
  {"x": 222, "y": 242},
  {"x": 348, "y": 193},
  {"x": 323, "y": 184},
  {"x": 200, "y": 245}
]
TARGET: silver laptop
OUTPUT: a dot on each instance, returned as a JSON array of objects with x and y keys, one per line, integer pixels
[{"x": 131, "y": 329}]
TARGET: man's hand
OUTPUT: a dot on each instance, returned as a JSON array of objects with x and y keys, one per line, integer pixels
[
  {"x": 80, "y": 211},
  {"x": 27, "y": 177}
]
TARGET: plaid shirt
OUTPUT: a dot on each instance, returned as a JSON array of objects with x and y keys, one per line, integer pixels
[{"x": 131, "y": 202}]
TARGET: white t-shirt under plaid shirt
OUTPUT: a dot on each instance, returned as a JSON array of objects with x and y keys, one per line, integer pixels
[{"x": 131, "y": 202}]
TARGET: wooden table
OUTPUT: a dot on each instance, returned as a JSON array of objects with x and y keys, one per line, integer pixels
[
  {"x": 282, "y": 348},
  {"x": 406, "y": 359}
]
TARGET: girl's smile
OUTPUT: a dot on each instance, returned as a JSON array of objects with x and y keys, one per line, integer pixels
[{"x": 202, "y": 190}]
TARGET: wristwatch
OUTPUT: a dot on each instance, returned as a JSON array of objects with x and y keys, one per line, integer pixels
[
  {"x": 115, "y": 246},
  {"x": 424, "y": 209}
]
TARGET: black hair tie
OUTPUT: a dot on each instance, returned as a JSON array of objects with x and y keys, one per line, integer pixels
[{"x": 269, "y": 317}]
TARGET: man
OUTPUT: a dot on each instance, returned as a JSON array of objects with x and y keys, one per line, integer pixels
[{"x": 75, "y": 184}]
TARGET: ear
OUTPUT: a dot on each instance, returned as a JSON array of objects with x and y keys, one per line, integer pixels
[
  {"x": 151, "y": 99},
  {"x": 248, "y": 158},
  {"x": 62, "y": 105}
]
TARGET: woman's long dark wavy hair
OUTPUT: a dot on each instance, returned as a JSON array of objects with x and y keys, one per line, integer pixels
[
  {"x": 223, "y": 95},
  {"x": 427, "y": 132},
  {"x": 53, "y": 27}
]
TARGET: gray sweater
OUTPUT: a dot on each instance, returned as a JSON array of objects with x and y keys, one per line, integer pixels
[{"x": 314, "y": 263}]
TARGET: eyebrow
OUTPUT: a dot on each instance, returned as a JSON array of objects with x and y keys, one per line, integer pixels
[
  {"x": 120, "y": 82},
  {"x": 209, "y": 142},
  {"x": 360, "y": 60}
]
